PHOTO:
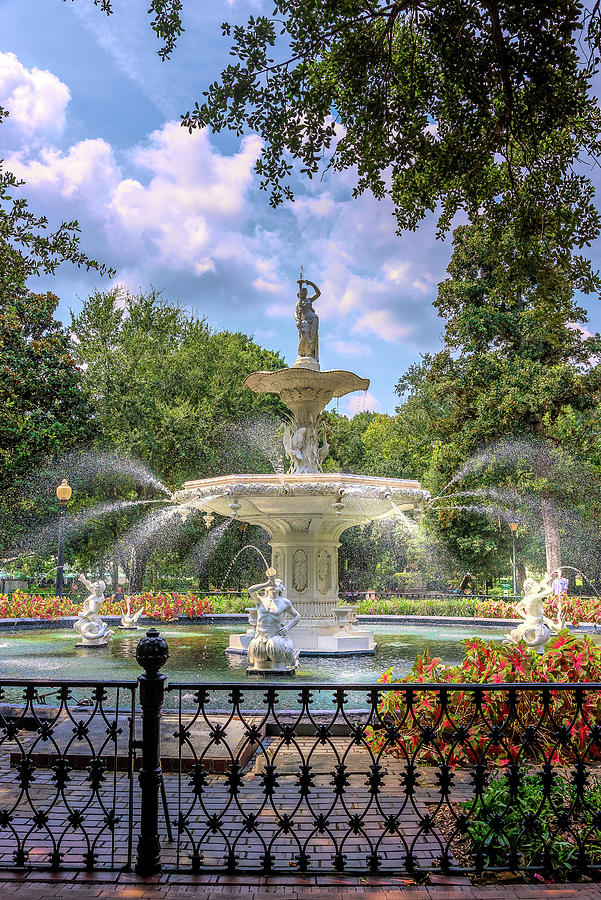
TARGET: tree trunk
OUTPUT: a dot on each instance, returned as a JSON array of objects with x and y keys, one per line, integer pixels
[
  {"x": 551, "y": 530},
  {"x": 138, "y": 569}
]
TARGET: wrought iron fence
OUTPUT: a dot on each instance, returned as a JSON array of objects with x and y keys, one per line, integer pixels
[
  {"x": 428, "y": 778},
  {"x": 269, "y": 778},
  {"x": 66, "y": 783}
]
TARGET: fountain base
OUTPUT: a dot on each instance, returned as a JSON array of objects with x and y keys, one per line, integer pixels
[
  {"x": 101, "y": 642},
  {"x": 313, "y": 642},
  {"x": 286, "y": 670}
]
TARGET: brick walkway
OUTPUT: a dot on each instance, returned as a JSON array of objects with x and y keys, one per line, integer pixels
[{"x": 126, "y": 887}]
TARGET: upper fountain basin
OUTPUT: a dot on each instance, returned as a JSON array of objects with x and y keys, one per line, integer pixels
[
  {"x": 336, "y": 382},
  {"x": 344, "y": 500},
  {"x": 301, "y": 384}
]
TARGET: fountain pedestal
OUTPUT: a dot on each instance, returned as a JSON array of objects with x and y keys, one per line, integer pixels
[{"x": 304, "y": 516}]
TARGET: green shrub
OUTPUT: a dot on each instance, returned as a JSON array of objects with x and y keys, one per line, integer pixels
[
  {"x": 413, "y": 606},
  {"x": 516, "y": 823}
]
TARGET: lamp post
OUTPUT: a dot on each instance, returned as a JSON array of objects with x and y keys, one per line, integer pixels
[
  {"x": 63, "y": 492},
  {"x": 514, "y": 527}
]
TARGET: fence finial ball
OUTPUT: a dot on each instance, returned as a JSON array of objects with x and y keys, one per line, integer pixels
[{"x": 152, "y": 652}]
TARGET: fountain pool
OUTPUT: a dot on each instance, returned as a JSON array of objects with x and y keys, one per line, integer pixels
[{"x": 197, "y": 654}]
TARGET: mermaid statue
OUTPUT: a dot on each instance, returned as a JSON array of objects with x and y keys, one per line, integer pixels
[
  {"x": 89, "y": 626},
  {"x": 271, "y": 651},
  {"x": 537, "y": 628}
]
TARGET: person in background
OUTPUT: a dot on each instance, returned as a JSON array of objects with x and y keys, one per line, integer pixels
[
  {"x": 119, "y": 596},
  {"x": 559, "y": 584},
  {"x": 467, "y": 583}
]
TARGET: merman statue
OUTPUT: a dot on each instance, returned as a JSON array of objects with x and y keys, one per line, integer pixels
[
  {"x": 271, "y": 651},
  {"x": 537, "y": 628},
  {"x": 92, "y": 630}
]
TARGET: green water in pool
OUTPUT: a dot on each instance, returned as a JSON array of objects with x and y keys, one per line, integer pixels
[{"x": 197, "y": 653}]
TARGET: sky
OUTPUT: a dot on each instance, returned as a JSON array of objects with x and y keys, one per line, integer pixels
[{"x": 94, "y": 132}]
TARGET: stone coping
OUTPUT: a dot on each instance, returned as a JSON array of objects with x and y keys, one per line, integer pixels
[{"x": 235, "y": 618}]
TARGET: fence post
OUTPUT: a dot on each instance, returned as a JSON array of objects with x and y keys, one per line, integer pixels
[{"x": 152, "y": 653}]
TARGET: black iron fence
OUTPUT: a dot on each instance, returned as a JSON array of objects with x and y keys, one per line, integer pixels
[
  {"x": 266, "y": 778},
  {"x": 66, "y": 783}
]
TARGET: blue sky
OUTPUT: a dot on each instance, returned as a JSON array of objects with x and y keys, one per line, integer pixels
[{"x": 94, "y": 131}]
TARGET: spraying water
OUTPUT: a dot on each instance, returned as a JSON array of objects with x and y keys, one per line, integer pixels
[{"x": 242, "y": 549}]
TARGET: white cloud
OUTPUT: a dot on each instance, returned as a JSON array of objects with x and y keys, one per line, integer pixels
[
  {"x": 322, "y": 205},
  {"x": 36, "y": 99},
  {"x": 351, "y": 348},
  {"x": 358, "y": 403},
  {"x": 279, "y": 310},
  {"x": 424, "y": 283},
  {"x": 396, "y": 271},
  {"x": 272, "y": 287},
  {"x": 191, "y": 192},
  {"x": 382, "y": 323},
  {"x": 87, "y": 169}
]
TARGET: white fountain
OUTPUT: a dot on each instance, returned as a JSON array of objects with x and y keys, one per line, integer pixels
[
  {"x": 306, "y": 511},
  {"x": 536, "y": 629}
]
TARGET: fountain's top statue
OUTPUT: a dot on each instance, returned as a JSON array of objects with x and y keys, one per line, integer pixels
[{"x": 307, "y": 322}]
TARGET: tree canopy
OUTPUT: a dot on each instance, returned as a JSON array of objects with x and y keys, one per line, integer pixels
[
  {"x": 470, "y": 104},
  {"x": 44, "y": 409}
]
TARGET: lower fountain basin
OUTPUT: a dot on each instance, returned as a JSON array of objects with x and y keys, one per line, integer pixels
[{"x": 197, "y": 654}]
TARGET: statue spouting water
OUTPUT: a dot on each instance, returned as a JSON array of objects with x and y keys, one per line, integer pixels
[
  {"x": 537, "y": 628},
  {"x": 92, "y": 630},
  {"x": 271, "y": 651},
  {"x": 129, "y": 620}
]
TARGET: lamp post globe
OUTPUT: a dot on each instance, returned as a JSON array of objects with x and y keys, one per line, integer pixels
[{"x": 63, "y": 493}]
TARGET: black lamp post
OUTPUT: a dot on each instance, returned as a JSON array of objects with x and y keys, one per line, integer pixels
[
  {"x": 63, "y": 492},
  {"x": 514, "y": 526}
]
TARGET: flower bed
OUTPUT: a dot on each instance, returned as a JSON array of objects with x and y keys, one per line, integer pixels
[
  {"x": 462, "y": 733},
  {"x": 573, "y": 609},
  {"x": 163, "y": 606}
]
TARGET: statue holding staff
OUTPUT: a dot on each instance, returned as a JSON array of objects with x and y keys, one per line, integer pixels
[{"x": 307, "y": 322}]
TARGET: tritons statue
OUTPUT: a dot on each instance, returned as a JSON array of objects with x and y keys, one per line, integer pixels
[
  {"x": 271, "y": 651},
  {"x": 89, "y": 626},
  {"x": 537, "y": 628}
]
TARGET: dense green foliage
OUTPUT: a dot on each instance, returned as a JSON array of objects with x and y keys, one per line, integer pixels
[
  {"x": 168, "y": 390},
  {"x": 164, "y": 385},
  {"x": 497, "y": 836},
  {"x": 517, "y": 363},
  {"x": 464, "y": 105},
  {"x": 44, "y": 409}
]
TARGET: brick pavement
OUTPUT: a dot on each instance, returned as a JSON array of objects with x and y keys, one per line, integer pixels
[{"x": 40, "y": 887}]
